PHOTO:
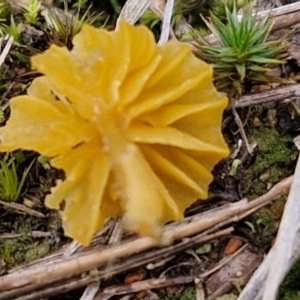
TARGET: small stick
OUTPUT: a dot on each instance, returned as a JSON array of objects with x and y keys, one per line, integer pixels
[
  {"x": 239, "y": 123},
  {"x": 133, "y": 9},
  {"x": 22, "y": 209},
  {"x": 6, "y": 49},
  {"x": 166, "y": 26},
  {"x": 277, "y": 94}
]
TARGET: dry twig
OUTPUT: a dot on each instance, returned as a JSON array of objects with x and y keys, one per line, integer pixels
[
  {"x": 133, "y": 9},
  {"x": 278, "y": 94},
  {"x": 22, "y": 209}
]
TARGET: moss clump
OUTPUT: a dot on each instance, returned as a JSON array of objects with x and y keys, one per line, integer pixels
[
  {"x": 187, "y": 294},
  {"x": 22, "y": 248},
  {"x": 290, "y": 288},
  {"x": 274, "y": 150},
  {"x": 15, "y": 251},
  {"x": 274, "y": 161}
]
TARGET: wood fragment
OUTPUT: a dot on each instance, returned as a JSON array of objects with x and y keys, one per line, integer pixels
[
  {"x": 240, "y": 268},
  {"x": 5, "y": 51},
  {"x": 133, "y": 9},
  {"x": 283, "y": 16},
  {"x": 34, "y": 234},
  {"x": 166, "y": 25},
  {"x": 22, "y": 209},
  {"x": 277, "y": 94},
  {"x": 200, "y": 292}
]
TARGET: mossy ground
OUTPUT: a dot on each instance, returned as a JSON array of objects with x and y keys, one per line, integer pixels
[
  {"x": 290, "y": 288},
  {"x": 187, "y": 293},
  {"x": 274, "y": 160}
]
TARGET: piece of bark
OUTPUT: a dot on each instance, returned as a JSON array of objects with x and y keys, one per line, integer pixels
[
  {"x": 133, "y": 9},
  {"x": 283, "y": 16},
  {"x": 22, "y": 209},
  {"x": 239, "y": 269},
  {"x": 268, "y": 4},
  {"x": 277, "y": 94}
]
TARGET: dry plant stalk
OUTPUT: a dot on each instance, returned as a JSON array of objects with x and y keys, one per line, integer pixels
[
  {"x": 22, "y": 209},
  {"x": 133, "y": 9},
  {"x": 277, "y": 94},
  {"x": 283, "y": 16},
  {"x": 166, "y": 25},
  {"x": 6, "y": 49}
]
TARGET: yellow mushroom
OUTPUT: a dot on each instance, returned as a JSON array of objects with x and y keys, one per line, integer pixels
[{"x": 136, "y": 127}]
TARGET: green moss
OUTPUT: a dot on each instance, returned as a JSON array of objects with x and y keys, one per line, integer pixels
[
  {"x": 260, "y": 228},
  {"x": 188, "y": 294},
  {"x": 274, "y": 150},
  {"x": 38, "y": 249},
  {"x": 18, "y": 250},
  {"x": 290, "y": 288},
  {"x": 23, "y": 248},
  {"x": 274, "y": 161}
]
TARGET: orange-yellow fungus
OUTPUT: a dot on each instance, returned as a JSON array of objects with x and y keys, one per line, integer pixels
[{"x": 136, "y": 127}]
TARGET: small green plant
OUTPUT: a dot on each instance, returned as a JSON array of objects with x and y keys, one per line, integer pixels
[
  {"x": 80, "y": 3},
  {"x": 13, "y": 29},
  {"x": 243, "y": 55},
  {"x": 219, "y": 7},
  {"x": 63, "y": 28},
  {"x": 184, "y": 11},
  {"x": 116, "y": 6},
  {"x": 4, "y": 10},
  {"x": 31, "y": 11},
  {"x": 150, "y": 18},
  {"x": 10, "y": 184},
  {"x": 187, "y": 294}
]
